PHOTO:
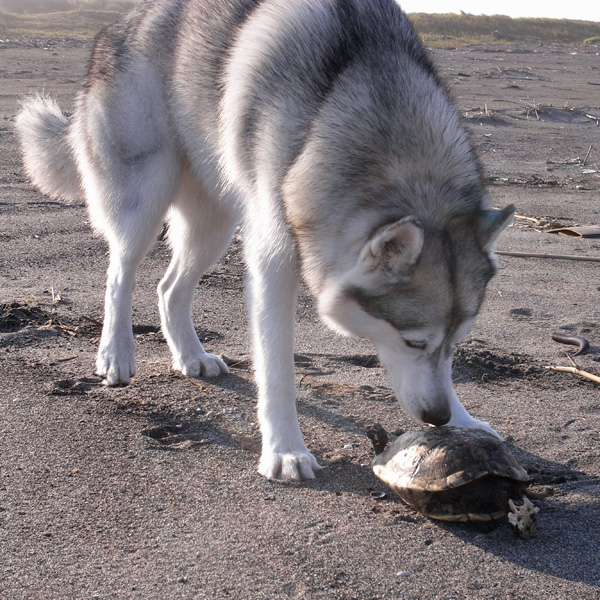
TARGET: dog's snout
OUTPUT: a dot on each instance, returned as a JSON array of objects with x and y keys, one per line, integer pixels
[{"x": 436, "y": 417}]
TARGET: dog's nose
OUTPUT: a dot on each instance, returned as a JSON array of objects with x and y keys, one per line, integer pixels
[{"x": 436, "y": 417}]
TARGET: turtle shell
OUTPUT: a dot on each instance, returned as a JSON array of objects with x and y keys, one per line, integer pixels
[{"x": 452, "y": 473}]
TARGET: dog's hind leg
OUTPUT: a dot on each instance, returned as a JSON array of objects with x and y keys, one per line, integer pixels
[
  {"x": 200, "y": 230},
  {"x": 129, "y": 166},
  {"x": 127, "y": 201},
  {"x": 130, "y": 223}
]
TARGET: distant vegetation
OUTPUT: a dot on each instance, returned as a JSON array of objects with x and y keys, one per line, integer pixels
[
  {"x": 58, "y": 18},
  {"x": 84, "y": 18},
  {"x": 52, "y": 6},
  {"x": 82, "y": 24},
  {"x": 464, "y": 28}
]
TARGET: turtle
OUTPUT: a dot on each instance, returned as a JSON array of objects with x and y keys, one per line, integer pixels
[{"x": 451, "y": 473}]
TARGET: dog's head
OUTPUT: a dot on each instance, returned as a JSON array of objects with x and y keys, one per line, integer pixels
[{"x": 414, "y": 293}]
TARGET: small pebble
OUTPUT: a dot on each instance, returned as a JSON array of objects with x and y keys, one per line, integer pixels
[
  {"x": 378, "y": 495},
  {"x": 402, "y": 574},
  {"x": 348, "y": 447}
]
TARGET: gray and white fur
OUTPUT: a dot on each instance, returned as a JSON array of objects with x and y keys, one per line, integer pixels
[{"x": 320, "y": 126}]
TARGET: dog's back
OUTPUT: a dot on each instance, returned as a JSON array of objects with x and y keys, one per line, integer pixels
[{"x": 229, "y": 82}]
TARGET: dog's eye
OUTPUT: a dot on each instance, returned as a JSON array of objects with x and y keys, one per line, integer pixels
[{"x": 416, "y": 344}]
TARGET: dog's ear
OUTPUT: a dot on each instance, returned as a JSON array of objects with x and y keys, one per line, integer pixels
[
  {"x": 390, "y": 253},
  {"x": 491, "y": 224}
]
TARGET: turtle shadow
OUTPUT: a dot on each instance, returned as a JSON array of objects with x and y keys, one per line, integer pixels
[{"x": 566, "y": 544}]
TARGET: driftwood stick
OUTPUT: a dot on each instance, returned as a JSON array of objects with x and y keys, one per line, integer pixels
[
  {"x": 553, "y": 256},
  {"x": 65, "y": 358},
  {"x": 524, "y": 218},
  {"x": 576, "y": 371},
  {"x": 572, "y": 361}
]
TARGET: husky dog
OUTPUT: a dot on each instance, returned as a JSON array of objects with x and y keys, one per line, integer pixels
[{"x": 323, "y": 129}]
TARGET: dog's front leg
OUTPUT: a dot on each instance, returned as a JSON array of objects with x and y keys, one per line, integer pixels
[
  {"x": 273, "y": 288},
  {"x": 461, "y": 418}
]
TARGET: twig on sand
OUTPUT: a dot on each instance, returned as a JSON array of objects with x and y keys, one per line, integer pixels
[
  {"x": 91, "y": 320},
  {"x": 552, "y": 256},
  {"x": 576, "y": 371},
  {"x": 65, "y": 358},
  {"x": 318, "y": 385},
  {"x": 587, "y": 155},
  {"x": 524, "y": 218},
  {"x": 56, "y": 298},
  {"x": 314, "y": 384}
]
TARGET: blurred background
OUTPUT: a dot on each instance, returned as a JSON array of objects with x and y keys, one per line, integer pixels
[{"x": 441, "y": 23}]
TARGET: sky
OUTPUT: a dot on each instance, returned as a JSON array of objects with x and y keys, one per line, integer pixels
[{"x": 583, "y": 10}]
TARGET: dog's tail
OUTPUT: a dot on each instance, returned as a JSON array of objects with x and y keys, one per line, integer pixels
[{"x": 47, "y": 153}]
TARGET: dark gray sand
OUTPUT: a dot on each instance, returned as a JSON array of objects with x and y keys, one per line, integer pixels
[{"x": 151, "y": 491}]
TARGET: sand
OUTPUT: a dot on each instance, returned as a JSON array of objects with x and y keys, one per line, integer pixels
[{"x": 151, "y": 491}]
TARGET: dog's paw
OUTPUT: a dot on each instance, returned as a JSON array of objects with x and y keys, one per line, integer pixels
[
  {"x": 472, "y": 423},
  {"x": 202, "y": 365},
  {"x": 298, "y": 465},
  {"x": 116, "y": 368}
]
